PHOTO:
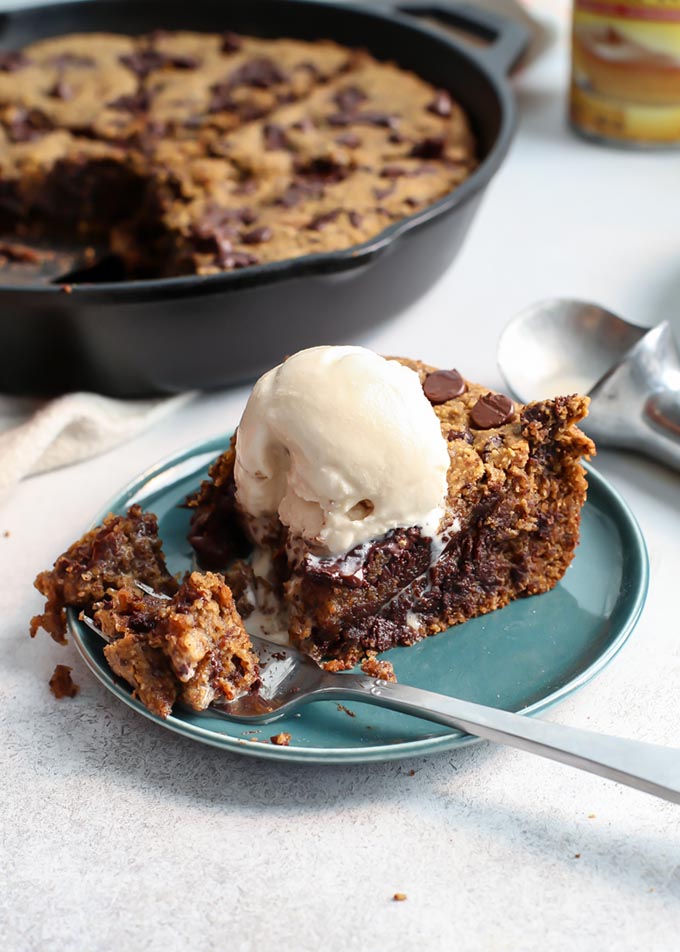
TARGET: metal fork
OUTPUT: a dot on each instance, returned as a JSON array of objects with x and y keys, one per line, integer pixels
[{"x": 291, "y": 679}]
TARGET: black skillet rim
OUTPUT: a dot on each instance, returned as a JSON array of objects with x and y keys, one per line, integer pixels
[{"x": 321, "y": 263}]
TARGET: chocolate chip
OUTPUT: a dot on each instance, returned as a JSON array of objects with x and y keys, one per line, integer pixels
[
  {"x": 381, "y": 193},
  {"x": 61, "y": 90},
  {"x": 393, "y": 171},
  {"x": 348, "y": 99},
  {"x": 441, "y": 105},
  {"x": 215, "y": 232},
  {"x": 274, "y": 137},
  {"x": 491, "y": 410},
  {"x": 323, "y": 169},
  {"x": 209, "y": 237},
  {"x": 217, "y": 216},
  {"x": 231, "y": 42},
  {"x": 143, "y": 62},
  {"x": 396, "y": 138},
  {"x": 221, "y": 98},
  {"x": 310, "y": 67},
  {"x": 135, "y": 102},
  {"x": 355, "y": 219},
  {"x": 257, "y": 236},
  {"x": 148, "y": 137},
  {"x": 25, "y": 126},
  {"x": 283, "y": 98},
  {"x": 303, "y": 125},
  {"x": 493, "y": 443},
  {"x": 431, "y": 147},
  {"x": 237, "y": 259},
  {"x": 12, "y": 60},
  {"x": 340, "y": 119},
  {"x": 347, "y": 570},
  {"x": 260, "y": 73},
  {"x": 381, "y": 119},
  {"x": 460, "y": 435},
  {"x": 443, "y": 385},
  {"x": 156, "y": 128},
  {"x": 299, "y": 192},
  {"x": 250, "y": 111},
  {"x": 349, "y": 139},
  {"x": 320, "y": 221},
  {"x": 181, "y": 61}
]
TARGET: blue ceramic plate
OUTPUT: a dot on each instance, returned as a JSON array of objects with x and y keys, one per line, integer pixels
[{"x": 524, "y": 657}]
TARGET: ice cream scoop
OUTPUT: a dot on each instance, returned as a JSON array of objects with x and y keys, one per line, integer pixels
[
  {"x": 342, "y": 445},
  {"x": 630, "y": 373}
]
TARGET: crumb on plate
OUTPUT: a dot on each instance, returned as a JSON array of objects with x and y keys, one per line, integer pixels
[{"x": 281, "y": 740}]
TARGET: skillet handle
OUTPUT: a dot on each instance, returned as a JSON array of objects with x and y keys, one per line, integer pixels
[{"x": 507, "y": 39}]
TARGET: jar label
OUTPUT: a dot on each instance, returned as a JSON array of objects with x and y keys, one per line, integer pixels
[{"x": 626, "y": 70}]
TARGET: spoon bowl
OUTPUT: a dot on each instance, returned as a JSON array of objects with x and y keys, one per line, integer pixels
[
  {"x": 561, "y": 346},
  {"x": 631, "y": 374}
]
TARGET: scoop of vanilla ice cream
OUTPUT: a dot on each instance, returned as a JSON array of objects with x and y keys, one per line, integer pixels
[{"x": 343, "y": 445}]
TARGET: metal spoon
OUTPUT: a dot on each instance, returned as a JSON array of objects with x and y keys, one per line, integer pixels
[
  {"x": 291, "y": 679},
  {"x": 630, "y": 373}
]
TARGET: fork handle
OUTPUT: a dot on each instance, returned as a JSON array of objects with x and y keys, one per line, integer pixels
[{"x": 648, "y": 767}]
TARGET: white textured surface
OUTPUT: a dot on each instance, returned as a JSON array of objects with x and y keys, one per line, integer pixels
[{"x": 118, "y": 835}]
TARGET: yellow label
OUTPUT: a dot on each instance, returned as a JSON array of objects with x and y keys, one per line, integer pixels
[
  {"x": 626, "y": 69},
  {"x": 609, "y": 119}
]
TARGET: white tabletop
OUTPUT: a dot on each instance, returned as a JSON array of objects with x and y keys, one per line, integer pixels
[{"x": 119, "y": 835}]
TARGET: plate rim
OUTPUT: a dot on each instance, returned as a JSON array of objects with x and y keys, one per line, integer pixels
[{"x": 633, "y": 545}]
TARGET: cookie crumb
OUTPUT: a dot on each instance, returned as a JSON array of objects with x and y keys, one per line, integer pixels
[
  {"x": 378, "y": 669},
  {"x": 341, "y": 707},
  {"x": 61, "y": 683},
  {"x": 6, "y": 534},
  {"x": 411, "y": 773},
  {"x": 336, "y": 665},
  {"x": 281, "y": 740},
  {"x": 399, "y": 897},
  {"x": 577, "y": 856},
  {"x": 591, "y": 816}
]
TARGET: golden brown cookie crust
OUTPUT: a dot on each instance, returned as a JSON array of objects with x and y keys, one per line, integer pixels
[{"x": 197, "y": 153}]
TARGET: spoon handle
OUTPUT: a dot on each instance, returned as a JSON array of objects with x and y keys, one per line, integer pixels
[{"x": 648, "y": 767}]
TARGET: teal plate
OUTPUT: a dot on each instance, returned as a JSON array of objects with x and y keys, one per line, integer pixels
[{"x": 524, "y": 657}]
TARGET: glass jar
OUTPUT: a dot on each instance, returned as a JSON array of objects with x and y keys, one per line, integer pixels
[{"x": 625, "y": 75}]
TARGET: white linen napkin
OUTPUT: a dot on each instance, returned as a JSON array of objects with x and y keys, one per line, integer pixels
[{"x": 39, "y": 435}]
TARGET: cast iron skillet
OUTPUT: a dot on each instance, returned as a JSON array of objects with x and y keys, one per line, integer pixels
[{"x": 139, "y": 337}]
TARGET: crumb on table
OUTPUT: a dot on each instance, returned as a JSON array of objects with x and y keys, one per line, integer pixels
[
  {"x": 61, "y": 683},
  {"x": 399, "y": 897}
]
